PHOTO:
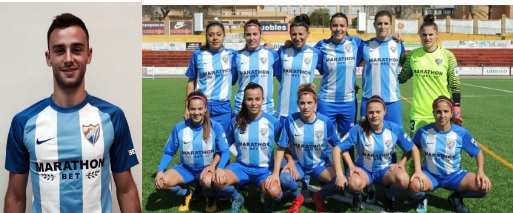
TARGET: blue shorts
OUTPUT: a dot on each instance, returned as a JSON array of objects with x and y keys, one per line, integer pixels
[
  {"x": 342, "y": 114},
  {"x": 373, "y": 176},
  {"x": 189, "y": 175},
  {"x": 247, "y": 175},
  {"x": 220, "y": 112},
  {"x": 394, "y": 111},
  {"x": 451, "y": 182},
  {"x": 282, "y": 120},
  {"x": 315, "y": 172}
]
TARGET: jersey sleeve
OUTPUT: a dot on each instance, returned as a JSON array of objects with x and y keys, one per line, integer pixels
[
  {"x": 277, "y": 130},
  {"x": 122, "y": 152},
  {"x": 350, "y": 139},
  {"x": 332, "y": 133},
  {"x": 17, "y": 158},
  {"x": 470, "y": 145},
  {"x": 191, "y": 71},
  {"x": 220, "y": 139},
  {"x": 230, "y": 136},
  {"x": 278, "y": 72},
  {"x": 235, "y": 67},
  {"x": 276, "y": 62},
  {"x": 403, "y": 140},
  {"x": 406, "y": 71},
  {"x": 284, "y": 140},
  {"x": 452, "y": 77},
  {"x": 221, "y": 144},
  {"x": 170, "y": 148},
  {"x": 359, "y": 54},
  {"x": 417, "y": 139},
  {"x": 402, "y": 56},
  {"x": 320, "y": 62}
]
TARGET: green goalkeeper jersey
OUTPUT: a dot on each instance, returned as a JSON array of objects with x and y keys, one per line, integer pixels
[{"x": 434, "y": 75}]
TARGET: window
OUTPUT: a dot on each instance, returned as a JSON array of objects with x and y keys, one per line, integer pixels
[
  {"x": 344, "y": 9},
  {"x": 332, "y": 9},
  {"x": 369, "y": 10},
  {"x": 284, "y": 9},
  {"x": 269, "y": 9},
  {"x": 355, "y": 10},
  {"x": 307, "y": 9},
  {"x": 295, "y": 10}
]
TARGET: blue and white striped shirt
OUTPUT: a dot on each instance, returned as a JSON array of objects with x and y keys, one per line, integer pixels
[
  {"x": 442, "y": 149},
  {"x": 374, "y": 153},
  {"x": 70, "y": 153},
  {"x": 195, "y": 153},
  {"x": 339, "y": 67},
  {"x": 255, "y": 145},
  {"x": 308, "y": 141},
  {"x": 213, "y": 72},
  {"x": 297, "y": 67},
  {"x": 381, "y": 68},
  {"x": 257, "y": 66}
]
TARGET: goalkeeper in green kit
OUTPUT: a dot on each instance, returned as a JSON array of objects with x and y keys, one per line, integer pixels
[{"x": 433, "y": 69}]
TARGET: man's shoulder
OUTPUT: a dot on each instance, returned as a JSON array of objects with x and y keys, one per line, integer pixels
[
  {"x": 104, "y": 105},
  {"x": 32, "y": 110}
]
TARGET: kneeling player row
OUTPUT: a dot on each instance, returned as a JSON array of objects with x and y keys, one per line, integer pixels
[{"x": 305, "y": 142}]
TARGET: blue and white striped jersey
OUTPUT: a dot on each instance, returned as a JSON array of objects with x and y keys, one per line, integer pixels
[
  {"x": 374, "y": 153},
  {"x": 442, "y": 149},
  {"x": 195, "y": 153},
  {"x": 213, "y": 72},
  {"x": 255, "y": 145},
  {"x": 339, "y": 66},
  {"x": 70, "y": 153},
  {"x": 308, "y": 141},
  {"x": 297, "y": 67},
  {"x": 257, "y": 66},
  {"x": 381, "y": 68}
]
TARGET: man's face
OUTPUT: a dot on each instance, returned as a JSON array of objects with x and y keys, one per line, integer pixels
[{"x": 68, "y": 56}]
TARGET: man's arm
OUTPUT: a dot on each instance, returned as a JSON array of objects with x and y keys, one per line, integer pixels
[
  {"x": 128, "y": 197},
  {"x": 15, "y": 197}
]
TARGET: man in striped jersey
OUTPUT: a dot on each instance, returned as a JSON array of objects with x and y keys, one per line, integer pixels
[{"x": 71, "y": 141}]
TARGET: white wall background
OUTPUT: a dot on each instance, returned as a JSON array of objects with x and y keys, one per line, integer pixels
[{"x": 113, "y": 75}]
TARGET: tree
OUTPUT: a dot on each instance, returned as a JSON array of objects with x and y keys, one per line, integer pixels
[
  {"x": 400, "y": 11},
  {"x": 320, "y": 17}
]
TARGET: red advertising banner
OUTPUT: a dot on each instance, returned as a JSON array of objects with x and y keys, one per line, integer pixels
[
  {"x": 153, "y": 28},
  {"x": 180, "y": 27}
]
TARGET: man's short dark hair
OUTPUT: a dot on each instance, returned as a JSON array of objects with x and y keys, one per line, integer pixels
[{"x": 63, "y": 21}]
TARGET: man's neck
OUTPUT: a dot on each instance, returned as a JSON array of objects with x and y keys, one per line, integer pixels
[{"x": 68, "y": 97}]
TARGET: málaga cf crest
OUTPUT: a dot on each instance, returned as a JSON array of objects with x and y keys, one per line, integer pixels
[{"x": 91, "y": 132}]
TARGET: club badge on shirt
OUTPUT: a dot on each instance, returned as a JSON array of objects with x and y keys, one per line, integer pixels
[
  {"x": 91, "y": 132},
  {"x": 263, "y": 60}
]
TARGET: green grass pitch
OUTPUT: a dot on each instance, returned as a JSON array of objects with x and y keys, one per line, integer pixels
[{"x": 486, "y": 109}]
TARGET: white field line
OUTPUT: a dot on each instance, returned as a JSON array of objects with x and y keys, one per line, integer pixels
[{"x": 502, "y": 90}]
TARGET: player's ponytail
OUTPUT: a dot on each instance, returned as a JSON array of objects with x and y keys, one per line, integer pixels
[
  {"x": 429, "y": 21},
  {"x": 364, "y": 123},
  {"x": 206, "y": 117},
  {"x": 242, "y": 119},
  {"x": 301, "y": 20}
]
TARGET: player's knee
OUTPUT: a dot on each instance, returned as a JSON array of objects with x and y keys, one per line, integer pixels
[
  {"x": 206, "y": 182},
  {"x": 414, "y": 186},
  {"x": 168, "y": 181},
  {"x": 402, "y": 180},
  {"x": 355, "y": 184},
  {"x": 273, "y": 192}
]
